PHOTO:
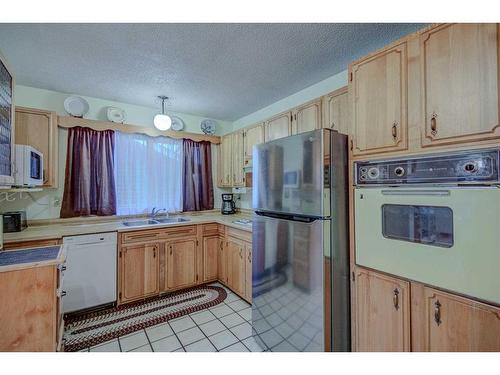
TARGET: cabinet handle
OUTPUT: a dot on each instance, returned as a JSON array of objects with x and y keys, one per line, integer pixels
[
  {"x": 395, "y": 130},
  {"x": 154, "y": 252},
  {"x": 249, "y": 257},
  {"x": 333, "y": 125},
  {"x": 63, "y": 268},
  {"x": 395, "y": 299},
  {"x": 434, "y": 123},
  {"x": 437, "y": 312},
  {"x": 170, "y": 250},
  {"x": 63, "y": 293}
]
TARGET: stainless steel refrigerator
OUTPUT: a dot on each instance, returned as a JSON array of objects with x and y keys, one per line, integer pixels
[{"x": 300, "y": 269}]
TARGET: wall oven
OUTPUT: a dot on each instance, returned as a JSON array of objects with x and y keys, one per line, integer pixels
[
  {"x": 433, "y": 219},
  {"x": 28, "y": 166}
]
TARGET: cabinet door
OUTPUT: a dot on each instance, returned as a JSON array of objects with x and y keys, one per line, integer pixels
[
  {"x": 278, "y": 126},
  {"x": 38, "y": 129},
  {"x": 307, "y": 117},
  {"x": 248, "y": 272},
  {"x": 236, "y": 265},
  {"x": 382, "y": 312},
  {"x": 222, "y": 263},
  {"x": 225, "y": 161},
  {"x": 211, "y": 247},
  {"x": 446, "y": 322},
  {"x": 379, "y": 107},
  {"x": 139, "y": 271},
  {"x": 252, "y": 136},
  {"x": 181, "y": 263},
  {"x": 336, "y": 111},
  {"x": 460, "y": 67},
  {"x": 237, "y": 159}
]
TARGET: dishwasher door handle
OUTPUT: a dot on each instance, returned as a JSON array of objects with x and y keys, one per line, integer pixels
[{"x": 440, "y": 193}]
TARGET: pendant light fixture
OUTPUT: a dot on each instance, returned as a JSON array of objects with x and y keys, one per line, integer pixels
[{"x": 161, "y": 120}]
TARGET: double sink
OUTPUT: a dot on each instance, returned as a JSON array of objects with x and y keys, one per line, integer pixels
[{"x": 168, "y": 220}]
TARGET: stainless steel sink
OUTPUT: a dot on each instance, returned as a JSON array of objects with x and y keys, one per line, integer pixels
[
  {"x": 172, "y": 220},
  {"x": 139, "y": 223}
]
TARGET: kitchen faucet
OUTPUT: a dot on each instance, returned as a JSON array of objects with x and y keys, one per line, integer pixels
[{"x": 155, "y": 212}]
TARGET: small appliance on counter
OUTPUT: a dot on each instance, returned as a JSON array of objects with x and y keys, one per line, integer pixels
[
  {"x": 14, "y": 221},
  {"x": 228, "y": 206},
  {"x": 28, "y": 166}
]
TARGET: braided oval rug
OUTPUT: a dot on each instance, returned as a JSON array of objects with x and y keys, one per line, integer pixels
[{"x": 89, "y": 329}]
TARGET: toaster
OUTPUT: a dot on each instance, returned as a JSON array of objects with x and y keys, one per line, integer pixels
[{"x": 14, "y": 221}]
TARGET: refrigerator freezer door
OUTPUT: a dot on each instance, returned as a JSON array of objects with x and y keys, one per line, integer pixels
[
  {"x": 290, "y": 277},
  {"x": 291, "y": 175}
]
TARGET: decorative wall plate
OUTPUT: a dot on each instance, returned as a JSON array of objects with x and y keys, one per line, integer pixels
[
  {"x": 115, "y": 114},
  {"x": 208, "y": 126},
  {"x": 76, "y": 106},
  {"x": 177, "y": 123}
]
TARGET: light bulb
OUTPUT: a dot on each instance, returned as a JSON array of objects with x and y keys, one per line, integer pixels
[{"x": 162, "y": 122}]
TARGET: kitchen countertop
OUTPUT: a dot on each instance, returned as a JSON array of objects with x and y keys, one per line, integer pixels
[
  {"x": 21, "y": 261},
  {"x": 61, "y": 229}
]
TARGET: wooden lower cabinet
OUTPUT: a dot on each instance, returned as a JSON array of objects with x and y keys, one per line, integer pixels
[
  {"x": 138, "y": 271},
  {"x": 181, "y": 263},
  {"x": 211, "y": 248},
  {"x": 222, "y": 263},
  {"x": 236, "y": 265},
  {"x": 445, "y": 322},
  {"x": 248, "y": 272},
  {"x": 382, "y": 309}
]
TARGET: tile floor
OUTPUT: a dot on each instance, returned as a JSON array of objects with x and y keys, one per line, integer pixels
[{"x": 222, "y": 328}]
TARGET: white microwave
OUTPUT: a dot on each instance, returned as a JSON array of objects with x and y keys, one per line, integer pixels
[{"x": 28, "y": 169}]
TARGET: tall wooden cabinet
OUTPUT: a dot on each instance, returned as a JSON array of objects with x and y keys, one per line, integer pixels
[
  {"x": 460, "y": 83},
  {"x": 237, "y": 159},
  {"x": 379, "y": 107},
  {"x": 252, "y": 136},
  {"x": 139, "y": 266},
  {"x": 38, "y": 128},
  {"x": 382, "y": 312},
  {"x": 225, "y": 164}
]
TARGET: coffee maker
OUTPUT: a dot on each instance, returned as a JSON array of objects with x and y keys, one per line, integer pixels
[{"x": 228, "y": 206}]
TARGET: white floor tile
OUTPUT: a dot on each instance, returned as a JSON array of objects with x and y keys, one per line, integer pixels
[
  {"x": 110, "y": 346},
  {"x": 223, "y": 339},
  {"x": 274, "y": 319},
  {"x": 231, "y": 298},
  {"x": 299, "y": 340},
  {"x": 238, "y": 347},
  {"x": 247, "y": 314},
  {"x": 284, "y": 346},
  {"x": 201, "y": 346},
  {"x": 242, "y": 331},
  {"x": 180, "y": 350},
  {"x": 271, "y": 338},
  {"x": 202, "y": 317},
  {"x": 190, "y": 335},
  {"x": 221, "y": 310},
  {"x": 238, "y": 305},
  {"x": 261, "y": 326},
  {"x": 212, "y": 327},
  {"x": 284, "y": 329},
  {"x": 181, "y": 324},
  {"x": 168, "y": 344},
  {"x": 144, "y": 348},
  {"x": 159, "y": 331},
  {"x": 231, "y": 320},
  {"x": 252, "y": 345},
  {"x": 132, "y": 341}
]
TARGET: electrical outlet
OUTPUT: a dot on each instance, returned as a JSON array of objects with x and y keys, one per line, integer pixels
[{"x": 56, "y": 202}]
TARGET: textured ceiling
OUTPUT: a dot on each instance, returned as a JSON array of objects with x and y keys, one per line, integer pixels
[{"x": 224, "y": 71}]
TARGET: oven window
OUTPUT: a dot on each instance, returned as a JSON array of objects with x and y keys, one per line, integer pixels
[
  {"x": 428, "y": 225},
  {"x": 35, "y": 166}
]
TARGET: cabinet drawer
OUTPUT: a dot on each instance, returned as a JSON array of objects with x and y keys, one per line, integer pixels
[
  {"x": 240, "y": 234},
  {"x": 181, "y": 231},
  {"x": 140, "y": 236},
  {"x": 209, "y": 229}
]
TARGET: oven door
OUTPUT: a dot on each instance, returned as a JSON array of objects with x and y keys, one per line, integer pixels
[{"x": 445, "y": 237}]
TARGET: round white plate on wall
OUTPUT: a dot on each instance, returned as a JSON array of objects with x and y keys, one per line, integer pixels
[
  {"x": 76, "y": 106},
  {"x": 208, "y": 126},
  {"x": 177, "y": 123},
  {"x": 115, "y": 115}
]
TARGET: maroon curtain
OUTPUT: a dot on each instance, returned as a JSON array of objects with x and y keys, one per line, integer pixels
[
  {"x": 198, "y": 190},
  {"x": 89, "y": 187}
]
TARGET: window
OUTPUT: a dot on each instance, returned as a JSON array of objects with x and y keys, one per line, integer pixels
[{"x": 148, "y": 173}]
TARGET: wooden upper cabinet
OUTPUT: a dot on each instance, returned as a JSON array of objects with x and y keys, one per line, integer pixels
[
  {"x": 279, "y": 126},
  {"x": 211, "y": 245},
  {"x": 379, "y": 101},
  {"x": 237, "y": 178},
  {"x": 139, "y": 271},
  {"x": 252, "y": 136},
  {"x": 225, "y": 160},
  {"x": 336, "y": 111},
  {"x": 446, "y": 322},
  {"x": 307, "y": 117},
  {"x": 38, "y": 128},
  {"x": 382, "y": 312},
  {"x": 460, "y": 95},
  {"x": 181, "y": 263}
]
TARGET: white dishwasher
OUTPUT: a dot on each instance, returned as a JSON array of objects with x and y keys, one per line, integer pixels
[{"x": 90, "y": 276}]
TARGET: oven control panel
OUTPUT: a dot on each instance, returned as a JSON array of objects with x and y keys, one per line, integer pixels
[{"x": 478, "y": 166}]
